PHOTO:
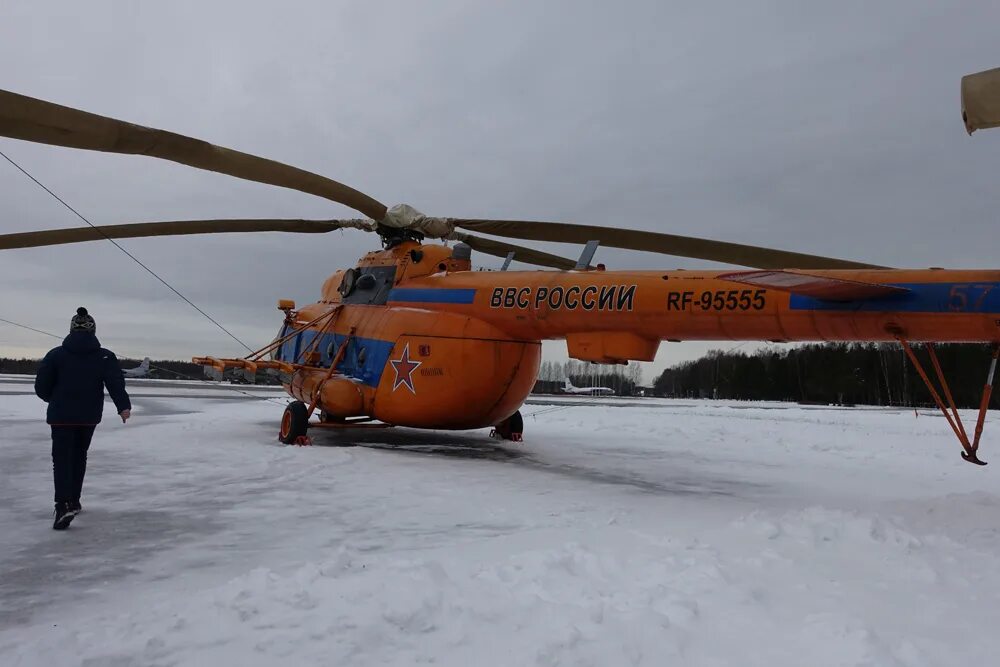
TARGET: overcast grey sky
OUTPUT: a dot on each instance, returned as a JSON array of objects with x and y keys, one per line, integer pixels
[{"x": 822, "y": 127}]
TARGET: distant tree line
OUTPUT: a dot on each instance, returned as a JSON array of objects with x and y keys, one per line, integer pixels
[
  {"x": 839, "y": 373},
  {"x": 162, "y": 369},
  {"x": 625, "y": 380}
]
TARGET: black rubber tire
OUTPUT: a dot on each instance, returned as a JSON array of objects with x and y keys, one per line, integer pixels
[
  {"x": 516, "y": 423},
  {"x": 510, "y": 426},
  {"x": 294, "y": 422}
]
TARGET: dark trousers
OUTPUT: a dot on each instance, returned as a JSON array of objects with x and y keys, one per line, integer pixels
[{"x": 69, "y": 460}]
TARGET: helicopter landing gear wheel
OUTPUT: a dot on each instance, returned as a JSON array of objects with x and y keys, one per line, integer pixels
[
  {"x": 294, "y": 423},
  {"x": 511, "y": 428}
]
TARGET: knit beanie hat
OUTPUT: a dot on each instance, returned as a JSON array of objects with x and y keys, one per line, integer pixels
[{"x": 82, "y": 321}]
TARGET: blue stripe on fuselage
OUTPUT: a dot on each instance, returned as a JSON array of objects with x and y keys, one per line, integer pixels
[
  {"x": 922, "y": 298},
  {"x": 367, "y": 371},
  {"x": 432, "y": 295}
]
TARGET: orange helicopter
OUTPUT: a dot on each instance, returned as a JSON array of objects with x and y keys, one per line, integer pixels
[{"x": 411, "y": 336}]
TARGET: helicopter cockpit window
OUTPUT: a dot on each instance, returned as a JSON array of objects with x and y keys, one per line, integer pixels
[
  {"x": 347, "y": 283},
  {"x": 371, "y": 285}
]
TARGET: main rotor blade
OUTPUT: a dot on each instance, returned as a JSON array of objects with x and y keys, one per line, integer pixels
[
  {"x": 172, "y": 228},
  {"x": 521, "y": 254},
  {"x": 667, "y": 244},
  {"x": 981, "y": 100},
  {"x": 31, "y": 119}
]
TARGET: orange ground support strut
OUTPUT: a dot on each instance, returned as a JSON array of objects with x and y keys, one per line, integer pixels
[
  {"x": 294, "y": 332},
  {"x": 953, "y": 418},
  {"x": 329, "y": 372}
]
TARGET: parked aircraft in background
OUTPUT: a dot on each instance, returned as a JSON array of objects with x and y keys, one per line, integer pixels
[
  {"x": 142, "y": 370},
  {"x": 592, "y": 391}
]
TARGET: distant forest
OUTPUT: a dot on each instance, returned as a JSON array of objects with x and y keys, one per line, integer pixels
[
  {"x": 162, "y": 369},
  {"x": 838, "y": 373}
]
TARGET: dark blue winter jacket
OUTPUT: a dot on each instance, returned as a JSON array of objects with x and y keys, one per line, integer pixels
[{"x": 72, "y": 378}]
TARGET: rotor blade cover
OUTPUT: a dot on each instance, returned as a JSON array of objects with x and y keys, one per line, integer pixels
[
  {"x": 981, "y": 100},
  {"x": 30, "y": 119},
  {"x": 173, "y": 228},
  {"x": 667, "y": 244}
]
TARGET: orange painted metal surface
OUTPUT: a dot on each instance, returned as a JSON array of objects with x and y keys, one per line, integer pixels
[
  {"x": 442, "y": 346},
  {"x": 697, "y": 305}
]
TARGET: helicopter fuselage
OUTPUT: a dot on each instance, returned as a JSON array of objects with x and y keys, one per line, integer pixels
[{"x": 421, "y": 340}]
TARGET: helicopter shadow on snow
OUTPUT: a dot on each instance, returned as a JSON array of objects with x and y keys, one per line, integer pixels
[
  {"x": 417, "y": 442},
  {"x": 680, "y": 479}
]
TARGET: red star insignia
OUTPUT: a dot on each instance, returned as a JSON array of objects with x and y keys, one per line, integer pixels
[{"x": 404, "y": 368}]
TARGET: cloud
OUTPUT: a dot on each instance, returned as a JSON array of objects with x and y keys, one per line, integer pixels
[{"x": 830, "y": 129}]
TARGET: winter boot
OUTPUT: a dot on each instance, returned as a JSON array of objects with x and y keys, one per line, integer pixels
[{"x": 62, "y": 516}]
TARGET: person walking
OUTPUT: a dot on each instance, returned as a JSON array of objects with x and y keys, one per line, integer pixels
[{"x": 72, "y": 379}]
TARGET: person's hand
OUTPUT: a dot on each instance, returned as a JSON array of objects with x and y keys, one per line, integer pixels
[{"x": 125, "y": 414}]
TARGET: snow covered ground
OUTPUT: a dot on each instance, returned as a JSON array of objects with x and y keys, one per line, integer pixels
[{"x": 620, "y": 533}]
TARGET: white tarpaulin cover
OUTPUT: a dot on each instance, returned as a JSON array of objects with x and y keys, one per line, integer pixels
[{"x": 405, "y": 216}]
